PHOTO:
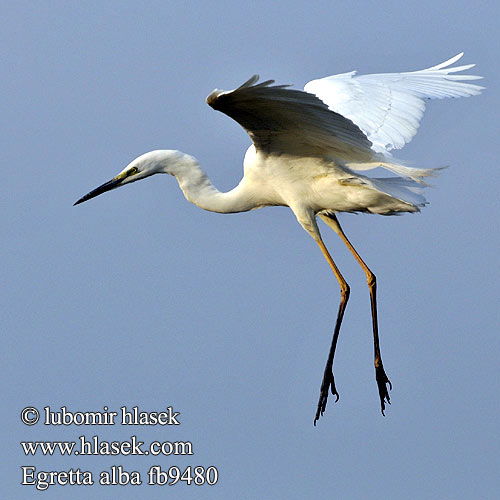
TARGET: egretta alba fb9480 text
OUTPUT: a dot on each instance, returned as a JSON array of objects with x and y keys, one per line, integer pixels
[{"x": 308, "y": 149}]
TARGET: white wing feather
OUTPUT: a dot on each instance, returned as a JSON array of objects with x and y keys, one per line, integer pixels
[{"x": 388, "y": 107}]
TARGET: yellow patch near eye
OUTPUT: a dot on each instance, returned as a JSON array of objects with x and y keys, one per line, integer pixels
[
  {"x": 133, "y": 171},
  {"x": 120, "y": 176}
]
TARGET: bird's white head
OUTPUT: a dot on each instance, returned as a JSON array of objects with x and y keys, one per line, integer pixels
[{"x": 164, "y": 161}]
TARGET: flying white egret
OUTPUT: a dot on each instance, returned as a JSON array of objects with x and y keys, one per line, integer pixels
[{"x": 308, "y": 149}]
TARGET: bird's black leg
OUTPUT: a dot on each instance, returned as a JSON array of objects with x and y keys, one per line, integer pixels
[
  {"x": 328, "y": 379},
  {"x": 380, "y": 375}
]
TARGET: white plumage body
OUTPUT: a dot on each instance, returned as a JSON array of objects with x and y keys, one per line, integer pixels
[{"x": 316, "y": 184}]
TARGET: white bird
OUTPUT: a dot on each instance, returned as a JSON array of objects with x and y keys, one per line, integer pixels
[{"x": 308, "y": 149}]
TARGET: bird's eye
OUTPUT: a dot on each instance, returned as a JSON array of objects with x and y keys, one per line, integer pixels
[{"x": 133, "y": 171}]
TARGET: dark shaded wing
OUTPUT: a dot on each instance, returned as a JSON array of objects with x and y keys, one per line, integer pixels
[{"x": 281, "y": 120}]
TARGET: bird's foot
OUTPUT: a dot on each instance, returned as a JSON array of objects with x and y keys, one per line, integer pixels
[
  {"x": 328, "y": 382},
  {"x": 382, "y": 381}
]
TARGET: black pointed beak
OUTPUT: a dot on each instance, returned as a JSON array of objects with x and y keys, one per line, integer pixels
[{"x": 107, "y": 186}]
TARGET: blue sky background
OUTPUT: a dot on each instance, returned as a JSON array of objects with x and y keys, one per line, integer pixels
[{"x": 139, "y": 298}]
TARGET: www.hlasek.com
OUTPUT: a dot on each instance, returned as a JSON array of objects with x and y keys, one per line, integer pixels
[{"x": 94, "y": 446}]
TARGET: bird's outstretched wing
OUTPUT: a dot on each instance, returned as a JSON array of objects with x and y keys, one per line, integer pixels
[
  {"x": 282, "y": 120},
  {"x": 388, "y": 107}
]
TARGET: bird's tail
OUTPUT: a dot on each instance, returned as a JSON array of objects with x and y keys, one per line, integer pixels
[{"x": 403, "y": 189}]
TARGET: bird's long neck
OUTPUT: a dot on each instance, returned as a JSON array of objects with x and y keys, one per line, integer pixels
[{"x": 199, "y": 190}]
